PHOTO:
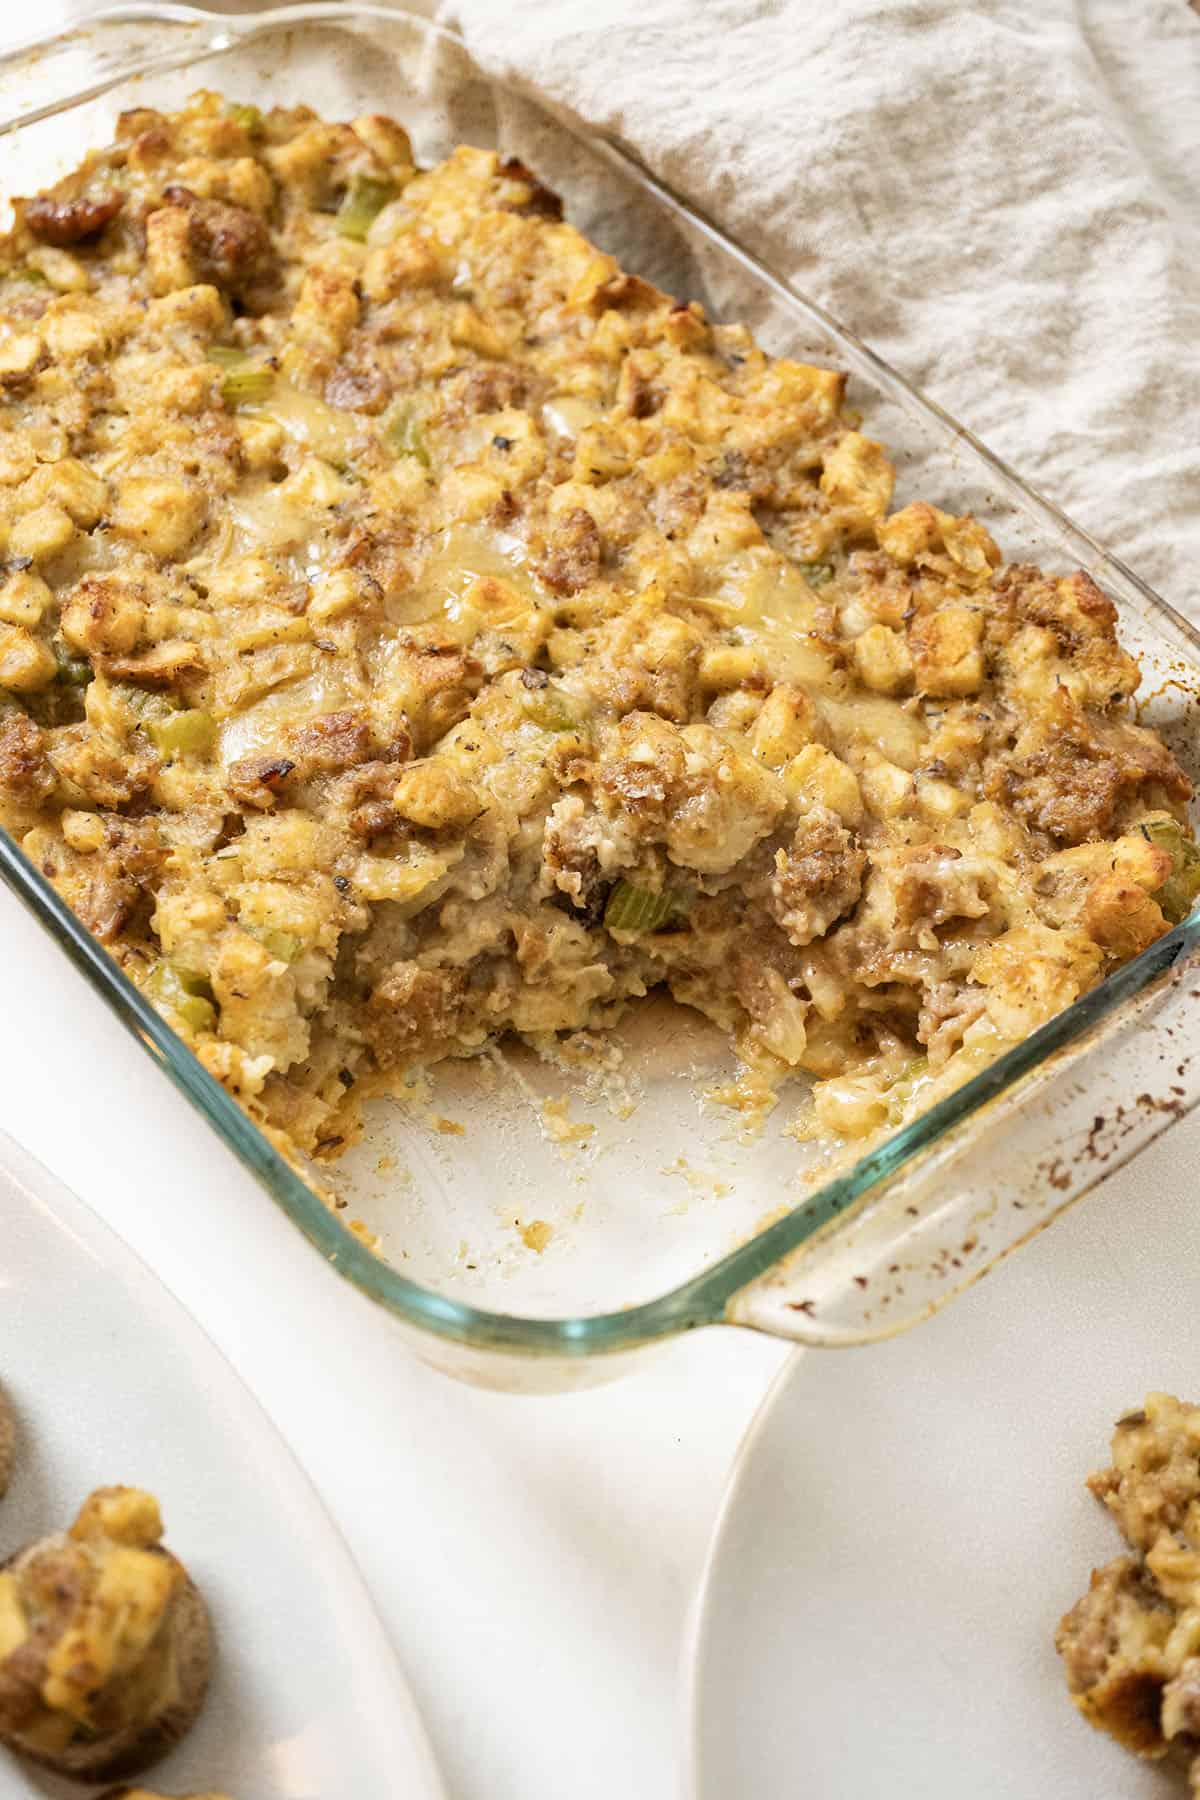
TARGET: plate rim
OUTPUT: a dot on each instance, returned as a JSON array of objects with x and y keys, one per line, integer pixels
[
  {"x": 45, "y": 1192},
  {"x": 696, "y": 1627}
]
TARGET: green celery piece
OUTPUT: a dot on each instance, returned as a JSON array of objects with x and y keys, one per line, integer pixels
[
  {"x": 364, "y": 200},
  {"x": 817, "y": 574},
  {"x": 73, "y": 671},
  {"x": 187, "y": 733},
  {"x": 549, "y": 710},
  {"x": 244, "y": 381},
  {"x": 246, "y": 387},
  {"x": 1179, "y": 891},
  {"x": 632, "y": 908},
  {"x": 405, "y": 437},
  {"x": 281, "y": 944},
  {"x": 248, "y": 117},
  {"x": 183, "y": 992}
]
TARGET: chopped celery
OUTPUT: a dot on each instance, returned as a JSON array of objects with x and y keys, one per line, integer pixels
[
  {"x": 900, "y": 1091},
  {"x": 817, "y": 574},
  {"x": 280, "y": 944},
  {"x": 187, "y": 733},
  {"x": 74, "y": 671},
  {"x": 244, "y": 380},
  {"x": 245, "y": 387},
  {"x": 141, "y": 701},
  {"x": 248, "y": 117},
  {"x": 405, "y": 437},
  {"x": 632, "y": 908},
  {"x": 1179, "y": 891},
  {"x": 550, "y": 710},
  {"x": 185, "y": 993},
  {"x": 362, "y": 204}
]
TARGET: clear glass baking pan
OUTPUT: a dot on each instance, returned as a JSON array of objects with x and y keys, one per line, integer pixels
[{"x": 526, "y": 1245}]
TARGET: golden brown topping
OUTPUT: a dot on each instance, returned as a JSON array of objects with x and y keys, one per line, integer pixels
[{"x": 313, "y": 464}]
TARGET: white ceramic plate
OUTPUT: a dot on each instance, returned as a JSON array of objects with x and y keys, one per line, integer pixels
[
  {"x": 907, "y": 1523},
  {"x": 114, "y": 1382}
]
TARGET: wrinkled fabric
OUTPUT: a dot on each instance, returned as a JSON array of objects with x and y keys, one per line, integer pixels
[{"x": 1003, "y": 202}]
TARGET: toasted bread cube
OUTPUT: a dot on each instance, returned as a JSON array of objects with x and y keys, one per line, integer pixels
[
  {"x": 947, "y": 651},
  {"x": 83, "y": 831},
  {"x": 158, "y": 515},
  {"x": 70, "y": 484},
  {"x": 784, "y": 725},
  {"x": 20, "y": 355},
  {"x": 262, "y": 441},
  {"x": 42, "y": 533},
  {"x": 857, "y": 473},
  {"x": 73, "y": 331},
  {"x": 168, "y": 250},
  {"x": 24, "y": 598},
  {"x": 434, "y": 795},
  {"x": 26, "y": 663},
  {"x": 882, "y": 659},
  {"x": 727, "y": 666},
  {"x": 816, "y": 777}
]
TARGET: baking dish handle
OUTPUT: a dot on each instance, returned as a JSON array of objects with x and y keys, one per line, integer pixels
[{"x": 1057, "y": 1135}]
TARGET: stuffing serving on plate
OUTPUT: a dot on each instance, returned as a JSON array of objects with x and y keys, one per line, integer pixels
[
  {"x": 105, "y": 1643},
  {"x": 414, "y": 628},
  {"x": 1131, "y": 1646}
]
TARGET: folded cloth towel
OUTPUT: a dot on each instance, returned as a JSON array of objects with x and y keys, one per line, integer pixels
[{"x": 1001, "y": 201}]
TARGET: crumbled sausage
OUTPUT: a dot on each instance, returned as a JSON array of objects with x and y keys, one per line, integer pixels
[
  {"x": 331, "y": 742},
  {"x": 542, "y": 202},
  {"x": 572, "y": 557},
  {"x": 26, "y": 776},
  {"x": 257, "y": 781},
  {"x": 412, "y": 1011},
  {"x": 817, "y": 878},
  {"x": 62, "y": 222},
  {"x": 1068, "y": 774},
  {"x": 229, "y": 245},
  {"x": 487, "y": 388}
]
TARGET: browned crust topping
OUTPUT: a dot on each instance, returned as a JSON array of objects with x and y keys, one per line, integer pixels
[{"x": 415, "y": 628}]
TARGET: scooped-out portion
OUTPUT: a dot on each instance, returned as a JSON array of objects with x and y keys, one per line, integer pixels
[{"x": 416, "y": 629}]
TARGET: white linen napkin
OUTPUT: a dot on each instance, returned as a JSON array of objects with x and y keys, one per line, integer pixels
[{"x": 1004, "y": 202}]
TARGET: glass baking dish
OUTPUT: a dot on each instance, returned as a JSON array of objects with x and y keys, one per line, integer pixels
[{"x": 518, "y": 1248}]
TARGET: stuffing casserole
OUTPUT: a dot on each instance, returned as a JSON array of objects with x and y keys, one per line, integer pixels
[{"x": 415, "y": 629}]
